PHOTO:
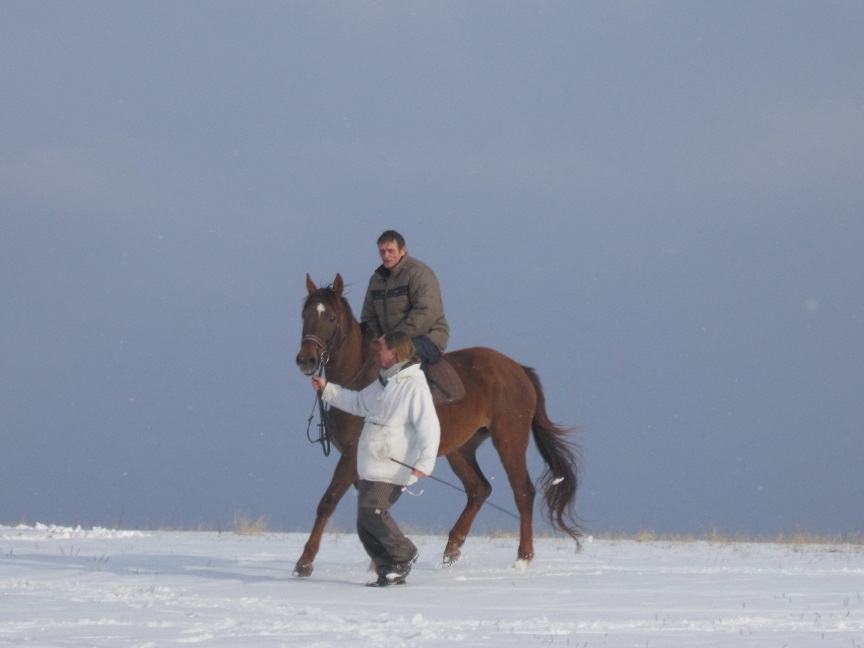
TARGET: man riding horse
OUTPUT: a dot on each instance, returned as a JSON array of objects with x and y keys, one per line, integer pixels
[{"x": 404, "y": 295}]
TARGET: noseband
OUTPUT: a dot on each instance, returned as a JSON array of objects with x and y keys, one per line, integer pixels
[{"x": 323, "y": 349}]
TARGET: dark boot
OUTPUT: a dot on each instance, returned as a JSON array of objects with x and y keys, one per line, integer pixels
[{"x": 398, "y": 572}]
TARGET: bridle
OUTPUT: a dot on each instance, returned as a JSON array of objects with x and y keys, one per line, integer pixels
[
  {"x": 324, "y": 347},
  {"x": 324, "y": 434}
]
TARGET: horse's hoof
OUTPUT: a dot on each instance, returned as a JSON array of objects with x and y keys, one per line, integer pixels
[
  {"x": 303, "y": 570},
  {"x": 449, "y": 559},
  {"x": 521, "y": 564}
]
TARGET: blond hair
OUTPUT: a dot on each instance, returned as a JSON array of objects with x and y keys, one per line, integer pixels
[{"x": 401, "y": 344}]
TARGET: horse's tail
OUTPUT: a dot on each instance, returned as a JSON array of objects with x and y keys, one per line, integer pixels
[{"x": 560, "y": 479}]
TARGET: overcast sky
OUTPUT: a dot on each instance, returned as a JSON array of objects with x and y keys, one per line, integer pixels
[{"x": 657, "y": 205}]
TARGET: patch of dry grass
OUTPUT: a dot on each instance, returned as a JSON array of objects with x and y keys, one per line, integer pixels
[{"x": 244, "y": 526}]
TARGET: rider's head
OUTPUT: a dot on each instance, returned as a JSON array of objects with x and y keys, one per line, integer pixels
[
  {"x": 394, "y": 236},
  {"x": 391, "y": 248}
]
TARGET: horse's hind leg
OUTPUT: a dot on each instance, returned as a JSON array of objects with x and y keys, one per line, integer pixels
[
  {"x": 511, "y": 442},
  {"x": 477, "y": 489}
]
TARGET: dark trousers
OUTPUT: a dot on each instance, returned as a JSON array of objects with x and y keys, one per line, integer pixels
[
  {"x": 381, "y": 537},
  {"x": 425, "y": 349}
]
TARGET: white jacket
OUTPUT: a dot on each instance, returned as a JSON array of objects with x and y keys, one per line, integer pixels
[{"x": 401, "y": 424}]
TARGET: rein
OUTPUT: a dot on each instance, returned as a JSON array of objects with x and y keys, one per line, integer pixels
[{"x": 323, "y": 431}]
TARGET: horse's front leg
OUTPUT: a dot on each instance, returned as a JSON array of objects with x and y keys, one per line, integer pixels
[{"x": 344, "y": 475}]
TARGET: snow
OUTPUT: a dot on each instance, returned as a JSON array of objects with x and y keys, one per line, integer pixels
[{"x": 61, "y": 586}]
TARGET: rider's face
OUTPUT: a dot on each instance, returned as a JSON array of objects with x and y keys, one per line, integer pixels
[{"x": 391, "y": 253}]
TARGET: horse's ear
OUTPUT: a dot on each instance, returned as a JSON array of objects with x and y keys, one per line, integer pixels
[
  {"x": 338, "y": 285},
  {"x": 310, "y": 285}
]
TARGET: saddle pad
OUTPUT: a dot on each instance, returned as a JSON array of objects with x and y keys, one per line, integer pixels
[{"x": 444, "y": 382}]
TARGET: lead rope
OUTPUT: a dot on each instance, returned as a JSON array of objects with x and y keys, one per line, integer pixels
[{"x": 323, "y": 431}]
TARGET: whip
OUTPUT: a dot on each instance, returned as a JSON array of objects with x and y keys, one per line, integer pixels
[{"x": 455, "y": 487}]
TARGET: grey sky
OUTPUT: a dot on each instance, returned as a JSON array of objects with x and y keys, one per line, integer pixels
[{"x": 658, "y": 205}]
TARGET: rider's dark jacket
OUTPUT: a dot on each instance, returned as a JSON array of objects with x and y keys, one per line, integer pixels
[{"x": 407, "y": 299}]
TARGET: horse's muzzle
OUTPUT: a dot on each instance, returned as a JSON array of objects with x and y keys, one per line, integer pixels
[{"x": 307, "y": 361}]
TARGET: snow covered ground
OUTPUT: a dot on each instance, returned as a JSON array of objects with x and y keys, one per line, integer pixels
[{"x": 73, "y": 587}]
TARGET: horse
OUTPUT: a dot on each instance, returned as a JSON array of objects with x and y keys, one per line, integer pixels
[{"x": 503, "y": 401}]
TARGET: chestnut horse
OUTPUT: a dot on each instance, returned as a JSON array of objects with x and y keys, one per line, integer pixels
[{"x": 503, "y": 401}]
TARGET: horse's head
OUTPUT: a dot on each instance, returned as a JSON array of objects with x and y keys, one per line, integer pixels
[{"x": 324, "y": 324}]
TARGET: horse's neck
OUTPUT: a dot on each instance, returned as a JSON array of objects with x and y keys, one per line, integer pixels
[{"x": 355, "y": 365}]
